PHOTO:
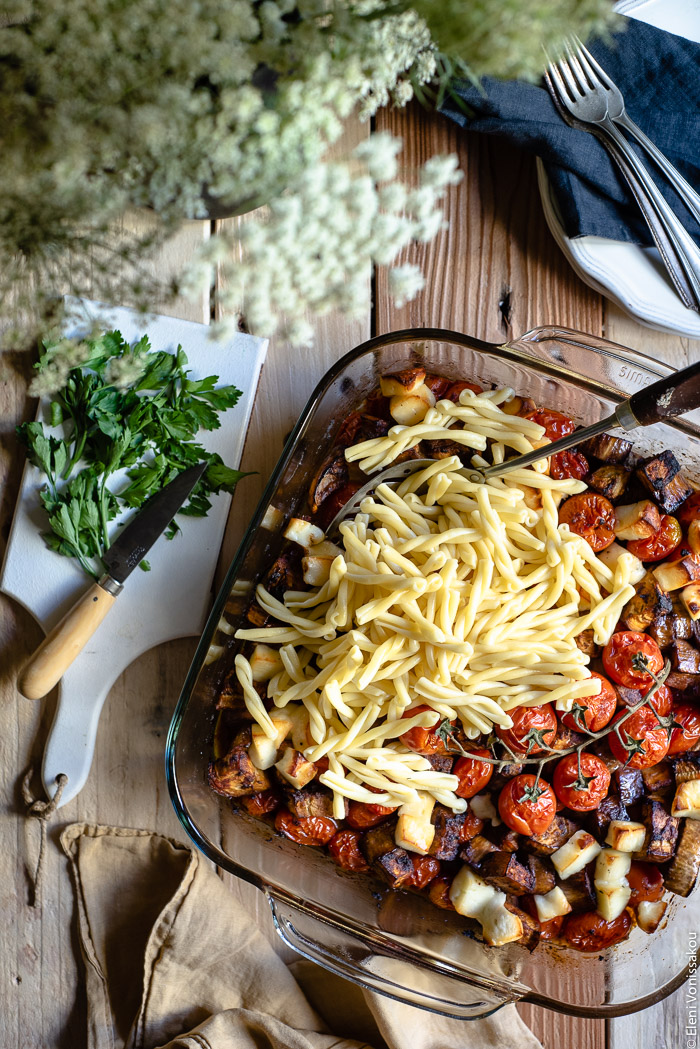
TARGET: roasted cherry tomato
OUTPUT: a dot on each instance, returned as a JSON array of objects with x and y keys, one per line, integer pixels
[
  {"x": 593, "y": 711},
  {"x": 347, "y": 433},
  {"x": 661, "y": 544},
  {"x": 472, "y": 775},
  {"x": 335, "y": 502},
  {"x": 646, "y": 882},
  {"x": 423, "y": 740},
  {"x": 362, "y": 815},
  {"x": 524, "y": 808},
  {"x": 530, "y": 724},
  {"x": 690, "y": 510},
  {"x": 590, "y": 933},
  {"x": 555, "y": 424},
  {"x": 684, "y": 738},
  {"x": 662, "y": 700},
  {"x": 425, "y": 868},
  {"x": 438, "y": 385},
  {"x": 305, "y": 830},
  {"x": 551, "y": 930},
  {"x": 568, "y": 464},
  {"x": 626, "y": 648},
  {"x": 322, "y": 765},
  {"x": 262, "y": 803},
  {"x": 439, "y": 892},
  {"x": 457, "y": 387},
  {"x": 591, "y": 516},
  {"x": 586, "y": 793},
  {"x": 472, "y": 825},
  {"x": 647, "y": 739},
  {"x": 344, "y": 847}
]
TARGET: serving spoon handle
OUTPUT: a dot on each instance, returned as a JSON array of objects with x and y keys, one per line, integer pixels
[{"x": 673, "y": 395}]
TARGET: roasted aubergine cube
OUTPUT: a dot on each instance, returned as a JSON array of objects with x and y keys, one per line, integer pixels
[{"x": 235, "y": 775}]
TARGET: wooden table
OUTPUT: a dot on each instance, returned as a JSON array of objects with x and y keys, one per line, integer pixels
[{"x": 495, "y": 273}]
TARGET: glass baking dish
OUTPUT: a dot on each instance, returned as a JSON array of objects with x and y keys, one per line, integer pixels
[{"x": 398, "y": 943}]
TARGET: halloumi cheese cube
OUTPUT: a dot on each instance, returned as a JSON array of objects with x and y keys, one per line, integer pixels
[
  {"x": 265, "y": 662},
  {"x": 552, "y": 905},
  {"x": 575, "y": 853},
  {"x": 612, "y": 554},
  {"x": 272, "y": 519},
  {"x": 687, "y": 800},
  {"x": 263, "y": 749},
  {"x": 295, "y": 768},
  {"x": 650, "y": 913},
  {"x": 626, "y": 836},
  {"x": 414, "y": 831},
  {"x": 303, "y": 532},
  {"x": 472, "y": 897},
  {"x": 610, "y": 883}
]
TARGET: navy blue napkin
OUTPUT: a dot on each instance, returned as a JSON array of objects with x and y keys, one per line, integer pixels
[{"x": 659, "y": 76}]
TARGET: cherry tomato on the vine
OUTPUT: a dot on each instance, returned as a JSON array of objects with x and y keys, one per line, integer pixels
[
  {"x": 457, "y": 387},
  {"x": 622, "y": 654},
  {"x": 592, "y": 517},
  {"x": 423, "y": 740},
  {"x": 472, "y": 775},
  {"x": 425, "y": 868},
  {"x": 262, "y": 803},
  {"x": 526, "y": 806},
  {"x": 344, "y": 847},
  {"x": 644, "y": 741},
  {"x": 662, "y": 543},
  {"x": 646, "y": 882},
  {"x": 362, "y": 815},
  {"x": 305, "y": 830},
  {"x": 684, "y": 738},
  {"x": 690, "y": 510},
  {"x": 555, "y": 424},
  {"x": 593, "y": 711},
  {"x": 530, "y": 725},
  {"x": 585, "y": 792},
  {"x": 589, "y": 932},
  {"x": 568, "y": 464}
]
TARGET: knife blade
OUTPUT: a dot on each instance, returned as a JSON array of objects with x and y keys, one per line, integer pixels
[{"x": 58, "y": 650}]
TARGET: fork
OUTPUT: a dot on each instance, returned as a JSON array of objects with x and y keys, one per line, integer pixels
[
  {"x": 618, "y": 114},
  {"x": 587, "y": 103}
]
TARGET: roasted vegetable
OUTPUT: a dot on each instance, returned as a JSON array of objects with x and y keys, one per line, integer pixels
[
  {"x": 475, "y": 850},
  {"x": 543, "y": 873},
  {"x": 690, "y": 596},
  {"x": 636, "y": 520},
  {"x": 521, "y": 406},
  {"x": 662, "y": 833},
  {"x": 676, "y": 574},
  {"x": 530, "y": 935},
  {"x": 610, "y": 481},
  {"x": 668, "y": 626},
  {"x": 687, "y": 767},
  {"x": 683, "y": 871},
  {"x": 607, "y": 448},
  {"x": 658, "y": 471},
  {"x": 685, "y": 657},
  {"x": 584, "y": 641},
  {"x": 659, "y": 778},
  {"x": 447, "y": 838},
  {"x": 560, "y": 830},
  {"x": 686, "y": 803},
  {"x": 611, "y": 555},
  {"x": 610, "y": 808},
  {"x": 506, "y": 872},
  {"x": 630, "y": 785},
  {"x": 235, "y": 774},
  {"x": 334, "y": 474},
  {"x": 305, "y": 803},
  {"x": 649, "y": 602},
  {"x": 578, "y": 890},
  {"x": 650, "y": 914}
]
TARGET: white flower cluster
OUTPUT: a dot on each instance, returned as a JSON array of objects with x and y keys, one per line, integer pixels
[{"x": 312, "y": 252}]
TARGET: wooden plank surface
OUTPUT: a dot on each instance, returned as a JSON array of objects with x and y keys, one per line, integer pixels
[{"x": 494, "y": 273}]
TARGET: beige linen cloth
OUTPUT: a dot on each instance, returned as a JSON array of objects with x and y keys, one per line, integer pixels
[{"x": 172, "y": 960}]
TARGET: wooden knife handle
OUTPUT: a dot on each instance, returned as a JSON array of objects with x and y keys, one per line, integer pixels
[
  {"x": 678, "y": 393},
  {"x": 58, "y": 650}
]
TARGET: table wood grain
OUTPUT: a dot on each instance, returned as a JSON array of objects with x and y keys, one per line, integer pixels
[{"x": 494, "y": 273}]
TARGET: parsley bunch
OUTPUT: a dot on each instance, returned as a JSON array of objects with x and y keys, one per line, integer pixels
[{"x": 125, "y": 408}]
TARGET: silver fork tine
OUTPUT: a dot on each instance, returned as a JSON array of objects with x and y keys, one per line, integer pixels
[
  {"x": 558, "y": 81},
  {"x": 594, "y": 68},
  {"x": 577, "y": 69},
  {"x": 563, "y": 68}
]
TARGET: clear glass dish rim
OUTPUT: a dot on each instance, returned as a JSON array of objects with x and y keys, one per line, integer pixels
[{"x": 511, "y": 349}]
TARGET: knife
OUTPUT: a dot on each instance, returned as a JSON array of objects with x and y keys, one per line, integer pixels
[{"x": 58, "y": 650}]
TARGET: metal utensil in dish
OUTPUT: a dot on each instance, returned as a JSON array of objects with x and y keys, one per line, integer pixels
[{"x": 674, "y": 395}]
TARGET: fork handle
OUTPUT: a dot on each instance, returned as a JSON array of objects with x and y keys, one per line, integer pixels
[
  {"x": 665, "y": 246},
  {"x": 689, "y": 196},
  {"x": 685, "y": 247}
]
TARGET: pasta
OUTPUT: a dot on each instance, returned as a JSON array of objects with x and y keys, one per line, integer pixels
[{"x": 465, "y": 596}]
